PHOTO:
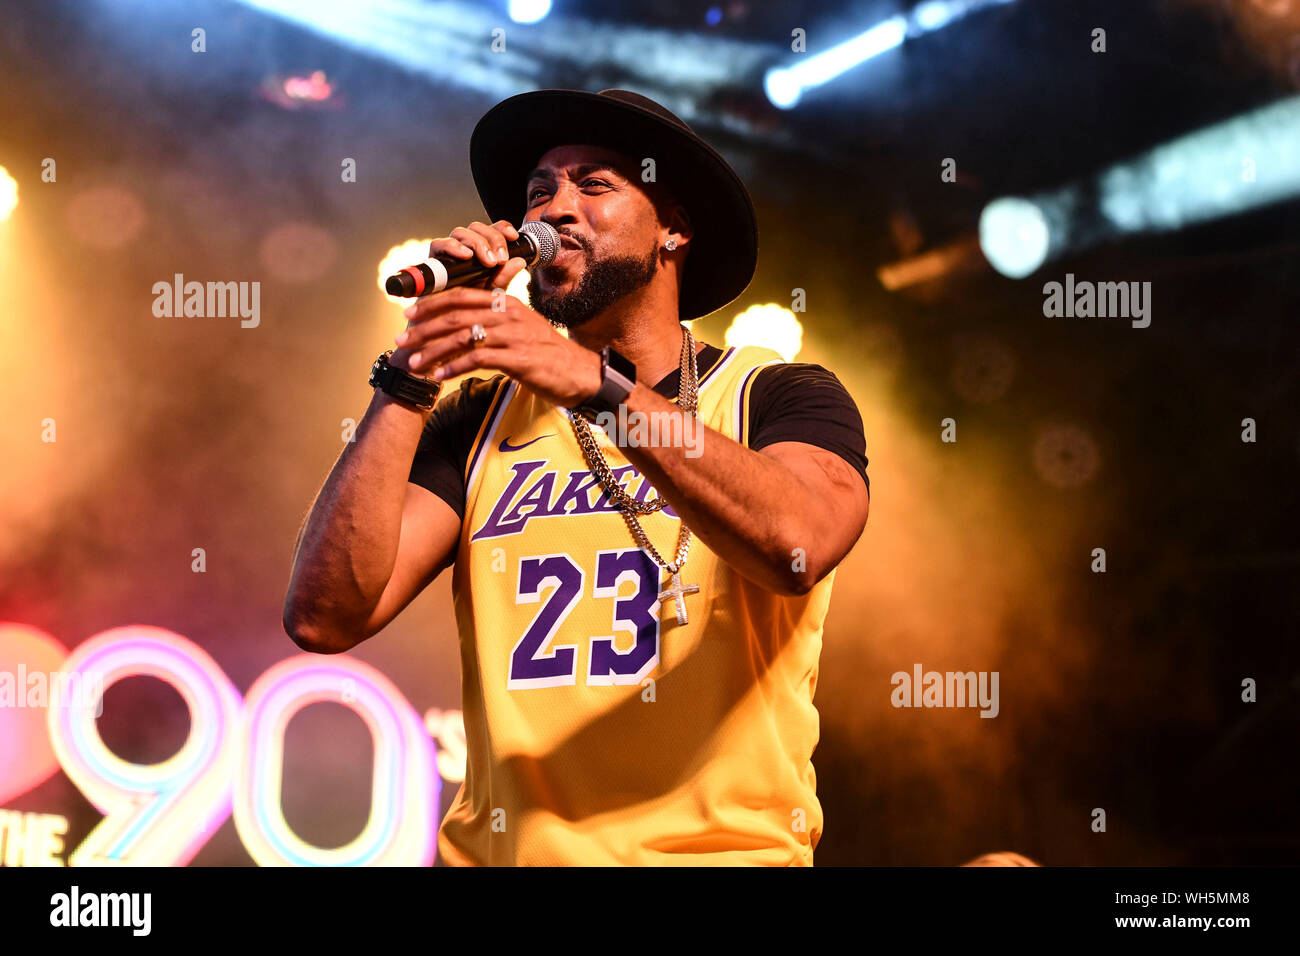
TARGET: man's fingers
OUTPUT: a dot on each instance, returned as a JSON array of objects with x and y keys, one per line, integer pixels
[
  {"x": 493, "y": 241},
  {"x": 508, "y": 272},
  {"x": 441, "y": 326},
  {"x": 470, "y": 359},
  {"x": 497, "y": 235},
  {"x": 461, "y": 297},
  {"x": 442, "y": 349},
  {"x": 479, "y": 242},
  {"x": 457, "y": 248}
]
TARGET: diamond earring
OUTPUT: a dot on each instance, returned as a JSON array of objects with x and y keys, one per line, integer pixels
[{"x": 670, "y": 245}]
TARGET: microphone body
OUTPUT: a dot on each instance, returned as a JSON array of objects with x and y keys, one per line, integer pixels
[{"x": 537, "y": 244}]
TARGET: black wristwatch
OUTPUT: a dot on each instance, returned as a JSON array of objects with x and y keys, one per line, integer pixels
[
  {"x": 617, "y": 379},
  {"x": 402, "y": 385}
]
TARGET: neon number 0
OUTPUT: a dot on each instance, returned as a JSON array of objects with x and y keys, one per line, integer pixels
[
  {"x": 160, "y": 814},
  {"x": 402, "y": 828}
]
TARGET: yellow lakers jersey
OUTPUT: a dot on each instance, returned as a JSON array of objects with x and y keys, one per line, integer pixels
[{"x": 599, "y": 731}]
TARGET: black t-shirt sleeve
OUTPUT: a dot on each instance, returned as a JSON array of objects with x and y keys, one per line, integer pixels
[
  {"x": 440, "y": 458},
  {"x": 801, "y": 402}
]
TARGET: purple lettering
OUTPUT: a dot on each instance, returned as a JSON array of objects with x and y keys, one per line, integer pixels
[{"x": 493, "y": 527}]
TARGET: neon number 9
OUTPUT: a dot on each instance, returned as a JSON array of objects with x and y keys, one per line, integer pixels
[
  {"x": 154, "y": 814},
  {"x": 402, "y": 827}
]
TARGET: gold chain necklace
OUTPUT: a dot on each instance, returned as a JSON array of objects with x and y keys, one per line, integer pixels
[{"x": 688, "y": 396}]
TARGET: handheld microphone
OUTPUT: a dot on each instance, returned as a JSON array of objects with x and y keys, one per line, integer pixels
[{"x": 537, "y": 244}]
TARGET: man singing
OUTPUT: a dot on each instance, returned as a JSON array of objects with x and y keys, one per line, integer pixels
[{"x": 640, "y": 621}]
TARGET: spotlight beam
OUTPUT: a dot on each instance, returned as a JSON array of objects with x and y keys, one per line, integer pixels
[
  {"x": 1242, "y": 163},
  {"x": 785, "y": 85},
  {"x": 458, "y": 43}
]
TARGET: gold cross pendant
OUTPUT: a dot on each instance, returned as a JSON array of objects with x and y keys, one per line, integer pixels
[{"x": 676, "y": 591}]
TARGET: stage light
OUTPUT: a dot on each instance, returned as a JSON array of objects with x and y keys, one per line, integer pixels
[
  {"x": 784, "y": 85},
  {"x": 8, "y": 194},
  {"x": 443, "y": 41},
  {"x": 984, "y": 369},
  {"x": 1014, "y": 235},
  {"x": 305, "y": 91},
  {"x": 1066, "y": 456},
  {"x": 1239, "y": 164},
  {"x": 954, "y": 258},
  {"x": 105, "y": 217},
  {"x": 398, "y": 258},
  {"x": 934, "y": 14},
  {"x": 771, "y": 326},
  {"x": 297, "y": 252},
  {"x": 529, "y": 11},
  {"x": 1243, "y": 162}
]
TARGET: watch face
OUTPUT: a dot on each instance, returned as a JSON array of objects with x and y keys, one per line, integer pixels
[{"x": 622, "y": 364}]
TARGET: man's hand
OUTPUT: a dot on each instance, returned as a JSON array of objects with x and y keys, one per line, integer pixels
[{"x": 519, "y": 342}]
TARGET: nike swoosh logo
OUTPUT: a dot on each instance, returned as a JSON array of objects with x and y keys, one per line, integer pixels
[{"x": 506, "y": 446}]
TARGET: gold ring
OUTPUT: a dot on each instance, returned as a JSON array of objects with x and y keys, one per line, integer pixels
[{"x": 477, "y": 335}]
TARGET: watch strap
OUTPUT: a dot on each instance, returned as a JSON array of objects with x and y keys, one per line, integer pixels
[
  {"x": 402, "y": 385},
  {"x": 617, "y": 379}
]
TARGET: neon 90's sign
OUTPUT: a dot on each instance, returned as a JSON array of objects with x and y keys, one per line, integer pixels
[{"x": 232, "y": 761}]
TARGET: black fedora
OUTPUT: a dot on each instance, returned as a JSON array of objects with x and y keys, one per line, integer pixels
[{"x": 513, "y": 135}]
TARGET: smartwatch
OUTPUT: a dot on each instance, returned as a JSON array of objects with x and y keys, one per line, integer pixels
[
  {"x": 617, "y": 379},
  {"x": 402, "y": 385}
]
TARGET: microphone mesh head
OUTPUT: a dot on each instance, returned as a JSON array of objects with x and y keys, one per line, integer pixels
[{"x": 545, "y": 238}]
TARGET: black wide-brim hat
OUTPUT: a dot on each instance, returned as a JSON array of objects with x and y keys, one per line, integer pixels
[{"x": 513, "y": 135}]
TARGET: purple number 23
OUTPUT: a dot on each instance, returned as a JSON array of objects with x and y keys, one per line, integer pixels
[{"x": 634, "y": 614}]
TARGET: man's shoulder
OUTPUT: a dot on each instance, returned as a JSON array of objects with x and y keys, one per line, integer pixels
[
  {"x": 806, "y": 402},
  {"x": 477, "y": 388},
  {"x": 770, "y": 367},
  {"x": 795, "y": 377},
  {"x": 470, "y": 400}
]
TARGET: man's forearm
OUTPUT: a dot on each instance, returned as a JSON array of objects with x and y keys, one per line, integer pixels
[
  {"x": 748, "y": 508},
  {"x": 347, "y": 547}
]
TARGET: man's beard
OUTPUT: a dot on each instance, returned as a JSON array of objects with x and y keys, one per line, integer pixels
[{"x": 603, "y": 282}]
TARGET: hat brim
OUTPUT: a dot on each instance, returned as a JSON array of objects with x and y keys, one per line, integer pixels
[{"x": 513, "y": 135}]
